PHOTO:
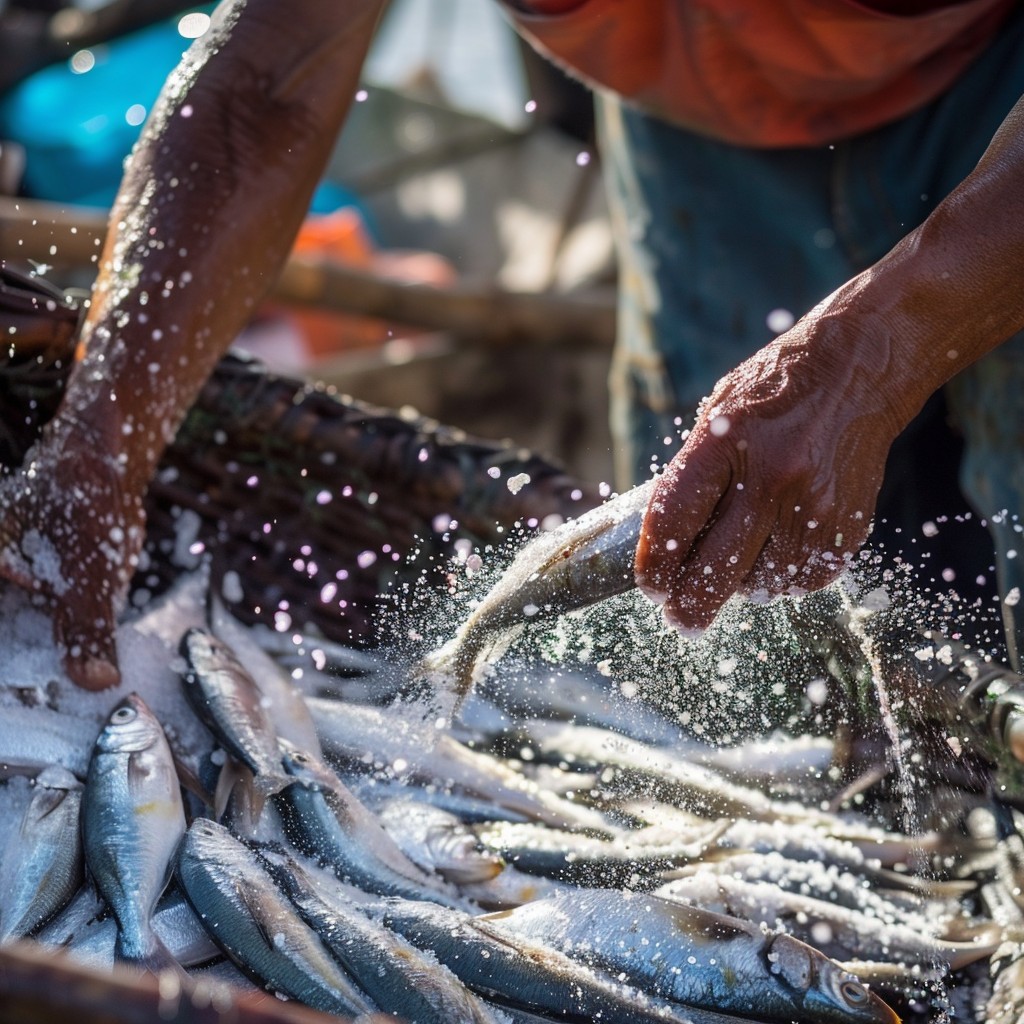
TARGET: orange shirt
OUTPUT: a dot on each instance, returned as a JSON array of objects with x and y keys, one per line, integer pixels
[{"x": 764, "y": 72}]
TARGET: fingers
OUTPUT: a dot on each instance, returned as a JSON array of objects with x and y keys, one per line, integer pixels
[
  {"x": 682, "y": 504},
  {"x": 708, "y": 535},
  {"x": 700, "y": 539},
  {"x": 715, "y": 568},
  {"x": 85, "y": 629},
  {"x": 796, "y": 567},
  {"x": 90, "y": 654}
]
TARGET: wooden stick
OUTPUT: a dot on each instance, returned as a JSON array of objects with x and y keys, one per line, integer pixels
[{"x": 55, "y": 235}]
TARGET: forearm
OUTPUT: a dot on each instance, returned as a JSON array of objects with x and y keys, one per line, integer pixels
[
  {"x": 210, "y": 203},
  {"x": 948, "y": 293}
]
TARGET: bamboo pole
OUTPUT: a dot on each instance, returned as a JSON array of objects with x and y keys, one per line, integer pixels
[{"x": 69, "y": 237}]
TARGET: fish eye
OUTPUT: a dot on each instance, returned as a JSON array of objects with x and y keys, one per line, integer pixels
[
  {"x": 853, "y": 992},
  {"x": 122, "y": 715}
]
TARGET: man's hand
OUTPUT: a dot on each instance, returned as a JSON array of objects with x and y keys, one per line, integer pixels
[
  {"x": 775, "y": 486},
  {"x": 774, "y": 489},
  {"x": 69, "y": 535}
]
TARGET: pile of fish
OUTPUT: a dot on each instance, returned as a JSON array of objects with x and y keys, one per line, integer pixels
[{"x": 586, "y": 861}]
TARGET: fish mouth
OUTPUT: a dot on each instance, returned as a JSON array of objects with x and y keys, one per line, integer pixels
[{"x": 847, "y": 1000}]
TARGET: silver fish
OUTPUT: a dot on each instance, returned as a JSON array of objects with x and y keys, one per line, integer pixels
[
  {"x": 227, "y": 699},
  {"x": 659, "y": 770},
  {"x": 133, "y": 820},
  {"x": 838, "y": 931},
  {"x": 627, "y": 859},
  {"x": 90, "y": 938},
  {"x": 438, "y": 842},
  {"x": 698, "y": 958},
  {"x": 829, "y": 882},
  {"x": 569, "y": 693},
  {"x": 327, "y": 822},
  {"x": 41, "y": 865},
  {"x": 583, "y": 561},
  {"x": 34, "y": 738},
  {"x": 517, "y": 972},
  {"x": 282, "y": 700},
  {"x": 256, "y": 926},
  {"x": 400, "y": 978},
  {"x": 414, "y": 750}
]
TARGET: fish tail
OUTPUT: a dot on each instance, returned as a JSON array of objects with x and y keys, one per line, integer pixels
[{"x": 152, "y": 956}]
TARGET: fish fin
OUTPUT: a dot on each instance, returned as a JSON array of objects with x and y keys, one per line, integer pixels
[
  {"x": 155, "y": 958},
  {"x": 190, "y": 781},
  {"x": 696, "y": 921},
  {"x": 230, "y": 775},
  {"x": 959, "y": 954},
  {"x": 481, "y": 869},
  {"x": 245, "y": 897}
]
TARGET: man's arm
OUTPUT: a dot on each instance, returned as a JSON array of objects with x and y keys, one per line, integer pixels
[
  {"x": 774, "y": 489},
  {"x": 208, "y": 208}
]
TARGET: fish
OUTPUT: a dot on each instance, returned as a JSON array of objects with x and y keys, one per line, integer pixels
[
  {"x": 33, "y": 739},
  {"x": 256, "y": 925},
  {"x": 569, "y": 693},
  {"x": 634, "y": 766},
  {"x": 132, "y": 822},
  {"x": 225, "y": 696},
  {"x": 514, "y": 971},
  {"x": 579, "y": 563},
  {"x": 438, "y": 842},
  {"x": 843, "y": 888},
  {"x": 841, "y": 932},
  {"x": 281, "y": 698},
  {"x": 41, "y": 867},
  {"x": 326, "y": 821},
  {"x": 90, "y": 937},
  {"x": 627, "y": 859},
  {"x": 401, "y": 979},
  {"x": 366, "y": 736},
  {"x": 697, "y": 958}
]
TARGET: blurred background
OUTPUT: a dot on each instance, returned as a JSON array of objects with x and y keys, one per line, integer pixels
[{"x": 463, "y": 208}]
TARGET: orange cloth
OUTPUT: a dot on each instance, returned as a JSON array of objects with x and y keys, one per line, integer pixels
[
  {"x": 342, "y": 236},
  {"x": 764, "y": 72}
]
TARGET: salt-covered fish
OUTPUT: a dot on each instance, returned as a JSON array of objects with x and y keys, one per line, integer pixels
[
  {"x": 401, "y": 979},
  {"x": 583, "y": 561},
  {"x": 841, "y": 932},
  {"x": 41, "y": 864},
  {"x": 696, "y": 957},
  {"x": 520, "y": 973},
  {"x": 326, "y": 821},
  {"x": 438, "y": 841},
  {"x": 133, "y": 820},
  {"x": 226, "y": 697},
  {"x": 257, "y": 927},
  {"x": 415, "y": 750}
]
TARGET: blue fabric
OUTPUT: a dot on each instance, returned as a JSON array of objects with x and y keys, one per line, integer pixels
[{"x": 74, "y": 126}]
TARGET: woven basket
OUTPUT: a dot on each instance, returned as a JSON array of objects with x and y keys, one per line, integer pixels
[{"x": 307, "y": 504}]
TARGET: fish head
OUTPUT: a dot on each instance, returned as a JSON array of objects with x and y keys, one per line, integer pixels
[
  {"x": 824, "y": 989},
  {"x": 301, "y": 765},
  {"x": 130, "y": 727}
]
